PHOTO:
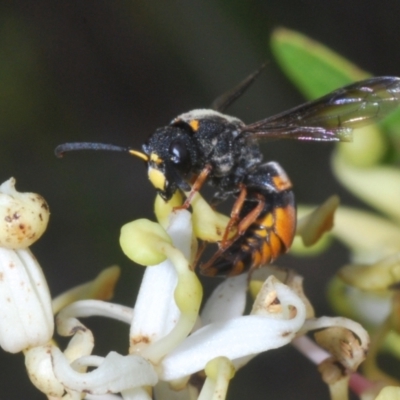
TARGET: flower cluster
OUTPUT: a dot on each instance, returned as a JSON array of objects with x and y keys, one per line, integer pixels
[{"x": 171, "y": 338}]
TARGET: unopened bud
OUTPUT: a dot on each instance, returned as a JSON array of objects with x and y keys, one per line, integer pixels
[{"x": 23, "y": 217}]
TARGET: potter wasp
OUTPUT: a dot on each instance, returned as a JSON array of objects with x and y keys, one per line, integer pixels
[{"x": 205, "y": 145}]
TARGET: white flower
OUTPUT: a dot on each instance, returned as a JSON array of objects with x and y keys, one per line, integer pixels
[
  {"x": 169, "y": 339},
  {"x": 26, "y": 318},
  {"x": 166, "y": 311}
]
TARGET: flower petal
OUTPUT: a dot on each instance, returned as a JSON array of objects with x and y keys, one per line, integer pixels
[
  {"x": 369, "y": 236},
  {"x": 236, "y": 338},
  {"x": 313, "y": 225},
  {"x": 115, "y": 374},
  {"x": 369, "y": 308},
  {"x": 26, "y": 317},
  {"x": 349, "y": 330},
  {"x": 287, "y": 276},
  {"x": 187, "y": 294},
  {"x": 89, "y": 308},
  {"x": 40, "y": 371},
  {"x": 155, "y": 311},
  {"x": 389, "y": 393},
  {"x": 138, "y": 393},
  {"x": 181, "y": 232},
  {"x": 378, "y": 186},
  {"x": 373, "y": 277},
  {"x": 227, "y": 301},
  {"x": 100, "y": 288}
]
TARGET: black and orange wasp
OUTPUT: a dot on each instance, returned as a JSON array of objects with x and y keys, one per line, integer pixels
[{"x": 204, "y": 145}]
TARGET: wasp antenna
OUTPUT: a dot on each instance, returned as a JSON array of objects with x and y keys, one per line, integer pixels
[
  {"x": 63, "y": 148},
  {"x": 139, "y": 154},
  {"x": 227, "y": 98}
]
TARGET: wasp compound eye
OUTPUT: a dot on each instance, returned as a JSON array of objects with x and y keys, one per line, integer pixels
[{"x": 180, "y": 154}]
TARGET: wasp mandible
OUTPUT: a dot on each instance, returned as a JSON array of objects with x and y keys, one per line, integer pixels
[{"x": 206, "y": 145}]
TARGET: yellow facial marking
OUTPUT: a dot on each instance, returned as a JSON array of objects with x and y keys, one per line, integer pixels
[
  {"x": 157, "y": 178},
  {"x": 194, "y": 124},
  {"x": 155, "y": 158}
]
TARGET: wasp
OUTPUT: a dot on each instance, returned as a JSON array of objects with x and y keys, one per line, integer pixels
[{"x": 205, "y": 145}]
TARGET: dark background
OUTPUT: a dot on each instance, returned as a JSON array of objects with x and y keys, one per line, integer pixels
[{"x": 113, "y": 71}]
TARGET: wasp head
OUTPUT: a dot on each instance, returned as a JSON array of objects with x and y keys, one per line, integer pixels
[{"x": 171, "y": 156}]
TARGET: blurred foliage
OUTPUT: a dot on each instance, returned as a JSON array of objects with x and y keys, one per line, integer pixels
[
  {"x": 317, "y": 70},
  {"x": 364, "y": 289}
]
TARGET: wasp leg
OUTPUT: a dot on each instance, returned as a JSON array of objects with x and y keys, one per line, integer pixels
[
  {"x": 236, "y": 209},
  {"x": 242, "y": 227},
  {"x": 207, "y": 267},
  {"x": 198, "y": 183},
  {"x": 252, "y": 216}
]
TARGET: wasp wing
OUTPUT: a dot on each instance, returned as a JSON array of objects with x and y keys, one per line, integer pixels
[
  {"x": 333, "y": 116},
  {"x": 226, "y": 99}
]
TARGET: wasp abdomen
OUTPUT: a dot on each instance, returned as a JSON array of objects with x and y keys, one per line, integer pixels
[{"x": 270, "y": 234}]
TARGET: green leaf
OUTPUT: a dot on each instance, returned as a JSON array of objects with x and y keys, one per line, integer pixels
[{"x": 315, "y": 69}]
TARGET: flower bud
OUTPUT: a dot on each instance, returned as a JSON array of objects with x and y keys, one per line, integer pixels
[
  {"x": 23, "y": 217},
  {"x": 141, "y": 240}
]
